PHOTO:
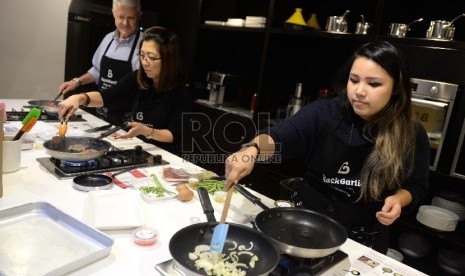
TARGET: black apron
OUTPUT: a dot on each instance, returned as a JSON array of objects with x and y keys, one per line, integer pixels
[
  {"x": 142, "y": 111},
  {"x": 332, "y": 185},
  {"x": 112, "y": 70}
]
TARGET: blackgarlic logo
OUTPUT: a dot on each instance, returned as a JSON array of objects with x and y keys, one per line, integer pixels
[
  {"x": 110, "y": 74},
  {"x": 344, "y": 169}
]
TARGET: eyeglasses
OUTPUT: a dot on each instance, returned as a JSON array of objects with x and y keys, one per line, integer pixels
[{"x": 150, "y": 59}]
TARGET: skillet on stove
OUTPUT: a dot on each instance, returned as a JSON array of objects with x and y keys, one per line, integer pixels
[
  {"x": 186, "y": 239},
  {"x": 72, "y": 148},
  {"x": 78, "y": 149},
  {"x": 298, "y": 232}
]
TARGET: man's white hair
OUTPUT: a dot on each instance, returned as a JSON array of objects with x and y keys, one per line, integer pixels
[{"x": 128, "y": 3}]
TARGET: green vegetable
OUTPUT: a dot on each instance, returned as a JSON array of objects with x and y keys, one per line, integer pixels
[
  {"x": 157, "y": 189},
  {"x": 212, "y": 185}
]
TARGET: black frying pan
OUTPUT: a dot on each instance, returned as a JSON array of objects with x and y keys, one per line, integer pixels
[
  {"x": 298, "y": 232},
  {"x": 186, "y": 239},
  {"x": 91, "y": 182}
]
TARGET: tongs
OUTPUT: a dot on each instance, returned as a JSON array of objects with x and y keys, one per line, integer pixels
[
  {"x": 52, "y": 103},
  {"x": 63, "y": 127}
]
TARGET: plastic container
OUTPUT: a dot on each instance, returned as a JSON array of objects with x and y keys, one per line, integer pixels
[
  {"x": 219, "y": 196},
  {"x": 145, "y": 236}
]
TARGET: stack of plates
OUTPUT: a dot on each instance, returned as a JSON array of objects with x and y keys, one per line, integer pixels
[
  {"x": 437, "y": 218},
  {"x": 450, "y": 201},
  {"x": 214, "y": 22},
  {"x": 235, "y": 22},
  {"x": 255, "y": 21}
]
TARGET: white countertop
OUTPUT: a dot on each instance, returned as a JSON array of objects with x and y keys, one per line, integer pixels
[{"x": 34, "y": 183}]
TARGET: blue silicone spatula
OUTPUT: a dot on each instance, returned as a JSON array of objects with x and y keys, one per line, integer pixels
[{"x": 221, "y": 230}]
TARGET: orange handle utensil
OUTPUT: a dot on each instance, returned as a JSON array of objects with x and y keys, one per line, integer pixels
[
  {"x": 25, "y": 128},
  {"x": 63, "y": 127}
]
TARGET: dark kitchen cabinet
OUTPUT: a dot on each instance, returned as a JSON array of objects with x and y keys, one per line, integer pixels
[{"x": 271, "y": 60}]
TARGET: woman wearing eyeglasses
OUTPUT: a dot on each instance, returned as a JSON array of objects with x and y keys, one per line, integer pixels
[{"x": 155, "y": 93}]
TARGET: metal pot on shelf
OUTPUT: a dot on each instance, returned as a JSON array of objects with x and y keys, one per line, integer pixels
[
  {"x": 442, "y": 29},
  {"x": 337, "y": 24},
  {"x": 400, "y": 29},
  {"x": 362, "y": 27}
]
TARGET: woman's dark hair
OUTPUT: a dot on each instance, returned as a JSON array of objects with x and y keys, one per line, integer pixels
[
  {"x": 168, "y": 46},
  {"x": 392, "y": 129},
  {"x": 393, "y": 62}
]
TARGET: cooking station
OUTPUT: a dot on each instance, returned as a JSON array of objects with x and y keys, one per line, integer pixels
[
  {"x": 34, "y": 182},
  {"x": 111, "y": 161}
]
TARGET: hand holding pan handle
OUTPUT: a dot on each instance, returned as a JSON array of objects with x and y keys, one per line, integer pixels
[{"x": 257, "y": 201}]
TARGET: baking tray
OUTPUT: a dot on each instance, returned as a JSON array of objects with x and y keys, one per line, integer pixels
[{"x": 38, "y": 239}]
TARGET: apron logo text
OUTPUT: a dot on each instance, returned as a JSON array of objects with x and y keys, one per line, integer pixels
[{"x": 341, "y": 181}]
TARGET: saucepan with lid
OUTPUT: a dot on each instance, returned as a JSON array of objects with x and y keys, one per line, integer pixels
[
  {"x": 442, "y": 29},
  {"x": 400, "y": 29}
]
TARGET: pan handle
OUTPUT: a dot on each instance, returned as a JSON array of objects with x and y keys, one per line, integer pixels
[
  {"x": 206, "y": 204},
  {"x": 257, "y": 201},
  {"x": 110, "y": 131}
]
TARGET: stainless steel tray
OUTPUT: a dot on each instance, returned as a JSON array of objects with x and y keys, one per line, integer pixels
[{"x": 38, "y": 239}]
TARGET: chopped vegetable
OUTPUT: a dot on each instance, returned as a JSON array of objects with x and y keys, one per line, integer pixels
[
  {"x": 157, "y": 189},
  {"x": 228, "y": 264}
]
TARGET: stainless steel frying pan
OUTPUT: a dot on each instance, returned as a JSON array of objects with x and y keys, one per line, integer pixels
[{"x": 77, "y": 149}]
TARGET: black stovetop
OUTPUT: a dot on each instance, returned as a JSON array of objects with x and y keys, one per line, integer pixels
[{"x": 112, "y": 161}]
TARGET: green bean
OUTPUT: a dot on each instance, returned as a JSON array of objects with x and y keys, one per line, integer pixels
[
  {"x": 212, "y": 185},
  {"x": 157, "y": 189}
]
